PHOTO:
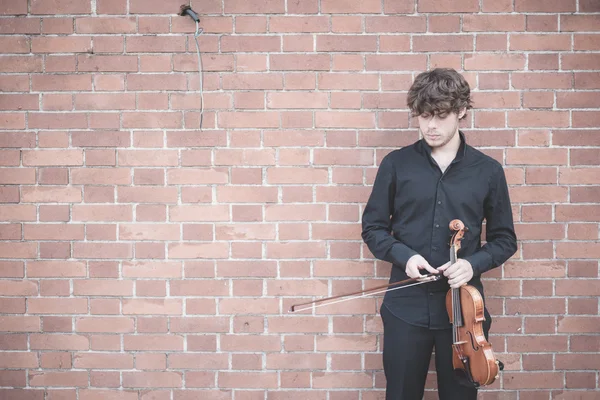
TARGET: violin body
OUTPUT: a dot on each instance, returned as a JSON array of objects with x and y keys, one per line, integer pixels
[{"x": 473, "y": 357}]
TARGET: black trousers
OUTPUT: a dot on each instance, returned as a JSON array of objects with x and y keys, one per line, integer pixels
[{"x": 407, "y": 351}]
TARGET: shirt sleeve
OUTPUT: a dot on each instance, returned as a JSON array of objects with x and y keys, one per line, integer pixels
[
  {"x": 376, "y": 222},
  {"x": 501, "y": 240}
]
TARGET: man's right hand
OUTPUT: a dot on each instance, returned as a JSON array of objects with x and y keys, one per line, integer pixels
[{"x": 416, "y": 263}]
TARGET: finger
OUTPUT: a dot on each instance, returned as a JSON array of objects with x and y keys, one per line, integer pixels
[
  {"x": 458, "y": 281},
  {"x": 412, "y": 272},
  {"x": 444, "y": 267},
  {"x": 451, "y": 269},
  {"x": 430, "y": 269},
  {"x": 456, "y": 273}
]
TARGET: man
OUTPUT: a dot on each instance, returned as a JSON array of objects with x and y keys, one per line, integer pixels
[{"x": 418, "y": 190}]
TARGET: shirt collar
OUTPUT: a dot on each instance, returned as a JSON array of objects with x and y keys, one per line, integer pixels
[{"x": 460, "y": 154}]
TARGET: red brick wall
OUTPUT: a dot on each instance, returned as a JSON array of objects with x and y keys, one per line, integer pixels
[{"x": 143, "y": 259}]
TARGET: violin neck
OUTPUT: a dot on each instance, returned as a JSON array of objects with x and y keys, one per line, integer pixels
[{"x": 456, "y": 306}]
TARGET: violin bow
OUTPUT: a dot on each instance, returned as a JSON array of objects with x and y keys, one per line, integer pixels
[{"x": 365, "y": 293}]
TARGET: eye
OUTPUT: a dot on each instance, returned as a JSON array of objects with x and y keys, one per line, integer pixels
[
  {"x": 442, "y": 116},
  {"x": 425, "y": 115}
]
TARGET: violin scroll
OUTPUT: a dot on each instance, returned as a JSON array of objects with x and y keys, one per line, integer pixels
[{"x": 459, "y": 229}]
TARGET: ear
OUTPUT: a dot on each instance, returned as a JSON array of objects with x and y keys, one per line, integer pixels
[{"x": 462, "y": 112}]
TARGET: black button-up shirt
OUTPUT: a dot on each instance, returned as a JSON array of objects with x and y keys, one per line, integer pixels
[{"x": 409, "y": 212}]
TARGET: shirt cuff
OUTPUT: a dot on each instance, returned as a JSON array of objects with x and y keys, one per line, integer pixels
[
  {"x": 480, "y": 261},
  {"x": 401, "y": 254}
]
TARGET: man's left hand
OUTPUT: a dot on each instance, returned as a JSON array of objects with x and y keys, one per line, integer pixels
[{"x": 458, "y": 273}]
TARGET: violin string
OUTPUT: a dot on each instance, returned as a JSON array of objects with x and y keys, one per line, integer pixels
[{"x": 359, "y": 297}]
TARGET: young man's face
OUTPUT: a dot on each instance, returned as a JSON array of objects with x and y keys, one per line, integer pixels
[{"x": 439, "y": 129}]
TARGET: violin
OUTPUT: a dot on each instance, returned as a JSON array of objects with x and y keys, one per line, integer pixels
[{"x": 472, "y": 357}]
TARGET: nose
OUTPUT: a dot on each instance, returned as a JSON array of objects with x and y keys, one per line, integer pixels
[{"x": 432, "y": 122}]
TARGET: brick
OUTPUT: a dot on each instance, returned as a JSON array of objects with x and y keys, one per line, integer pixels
[
  {"x": 445, "y": 43},
  {"x": 57, "y": 25},
  {"x": 145, "y": 82},
  {"x": 298, "y": 43},
  {"x": 155, "y": 44},
  {"x": 541, "y": 156},
  {"x": 167, "y": 7},
  {"x": 105, "y": 101},
  {"x": 339, "y": 81},
  {"x": 14, "y": 83},
  {"x": 521, "y": 344},
  {"x": 297, "y": 100},
  {"x": 244, "y": 24},
  {"x": 89, "y": 63},
  {"x": 250, "y": 44},
  {"x": 52, "y": 157},
  {"x": 395, "y": 24},
  {"x": 490, "y": 43},
  {"x": 41, "y": 83},
  {"x": 52, "y": 232},
  {"x": 585, "y": 119},
  {"x": 545, "y": 6},
  {"x": 184, "y": 62},
  {"x": 13, "y": 7},
  {"x": 59, "y": 44},
  {"x": 346, "y": 24},
  {"x": 299, "y": 24},
  {"x": 585, "y": 157},
  {"x": 152, "y": 120},
  {"x": 586, "y": 42},
  {"x": 493, "y": 23},
  {"x": 50, "y": 378},
  {"x": 574, "y": 213},
  {"x": 443, "y": 23},
  {"x": 398, "y": 6},
  {"x": 21, "y": 64},
  {"x": 324, "y": 380},
  {"x": 576, "y": 137},
  {"x": 299, "y": 62},
  {"x": 346, "y": 43},
  {"x": 342, "y": 7},
  {"x": 60, "y": 7},
  {"x": 542, "y": 23},
  {"x": 102, "y": 250},
  {"x": 578, "y": 23},
  {"x": 105, "y": 25},
  {"x": 588, "y": 6},
  {"x": 538, "y": 100},
  {"x": 538, "y": 119},
  {"x": 338, "y": 119},
  {"x": 248, "y": 120},
  {"x": 540, "y": 42},
  {"x": 531, "y": 231},
  {"x": 111, "y": 7},
  {"x": 15, "y": 44},
  {"x": 253, "y": 81},
  {"x": 152, "y": 379},
  {"x": 255, "y": 7},
  {"x": 494, "y": 62},
  {"x": 580, "y": 61},
  {"x": 19, "y": 25}
]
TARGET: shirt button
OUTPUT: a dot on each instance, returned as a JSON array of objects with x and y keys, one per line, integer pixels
[
  {"x": 437, "y": 225},
  {"x": 434, "y": 248},
  {"x": 439, "y": 202}
]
